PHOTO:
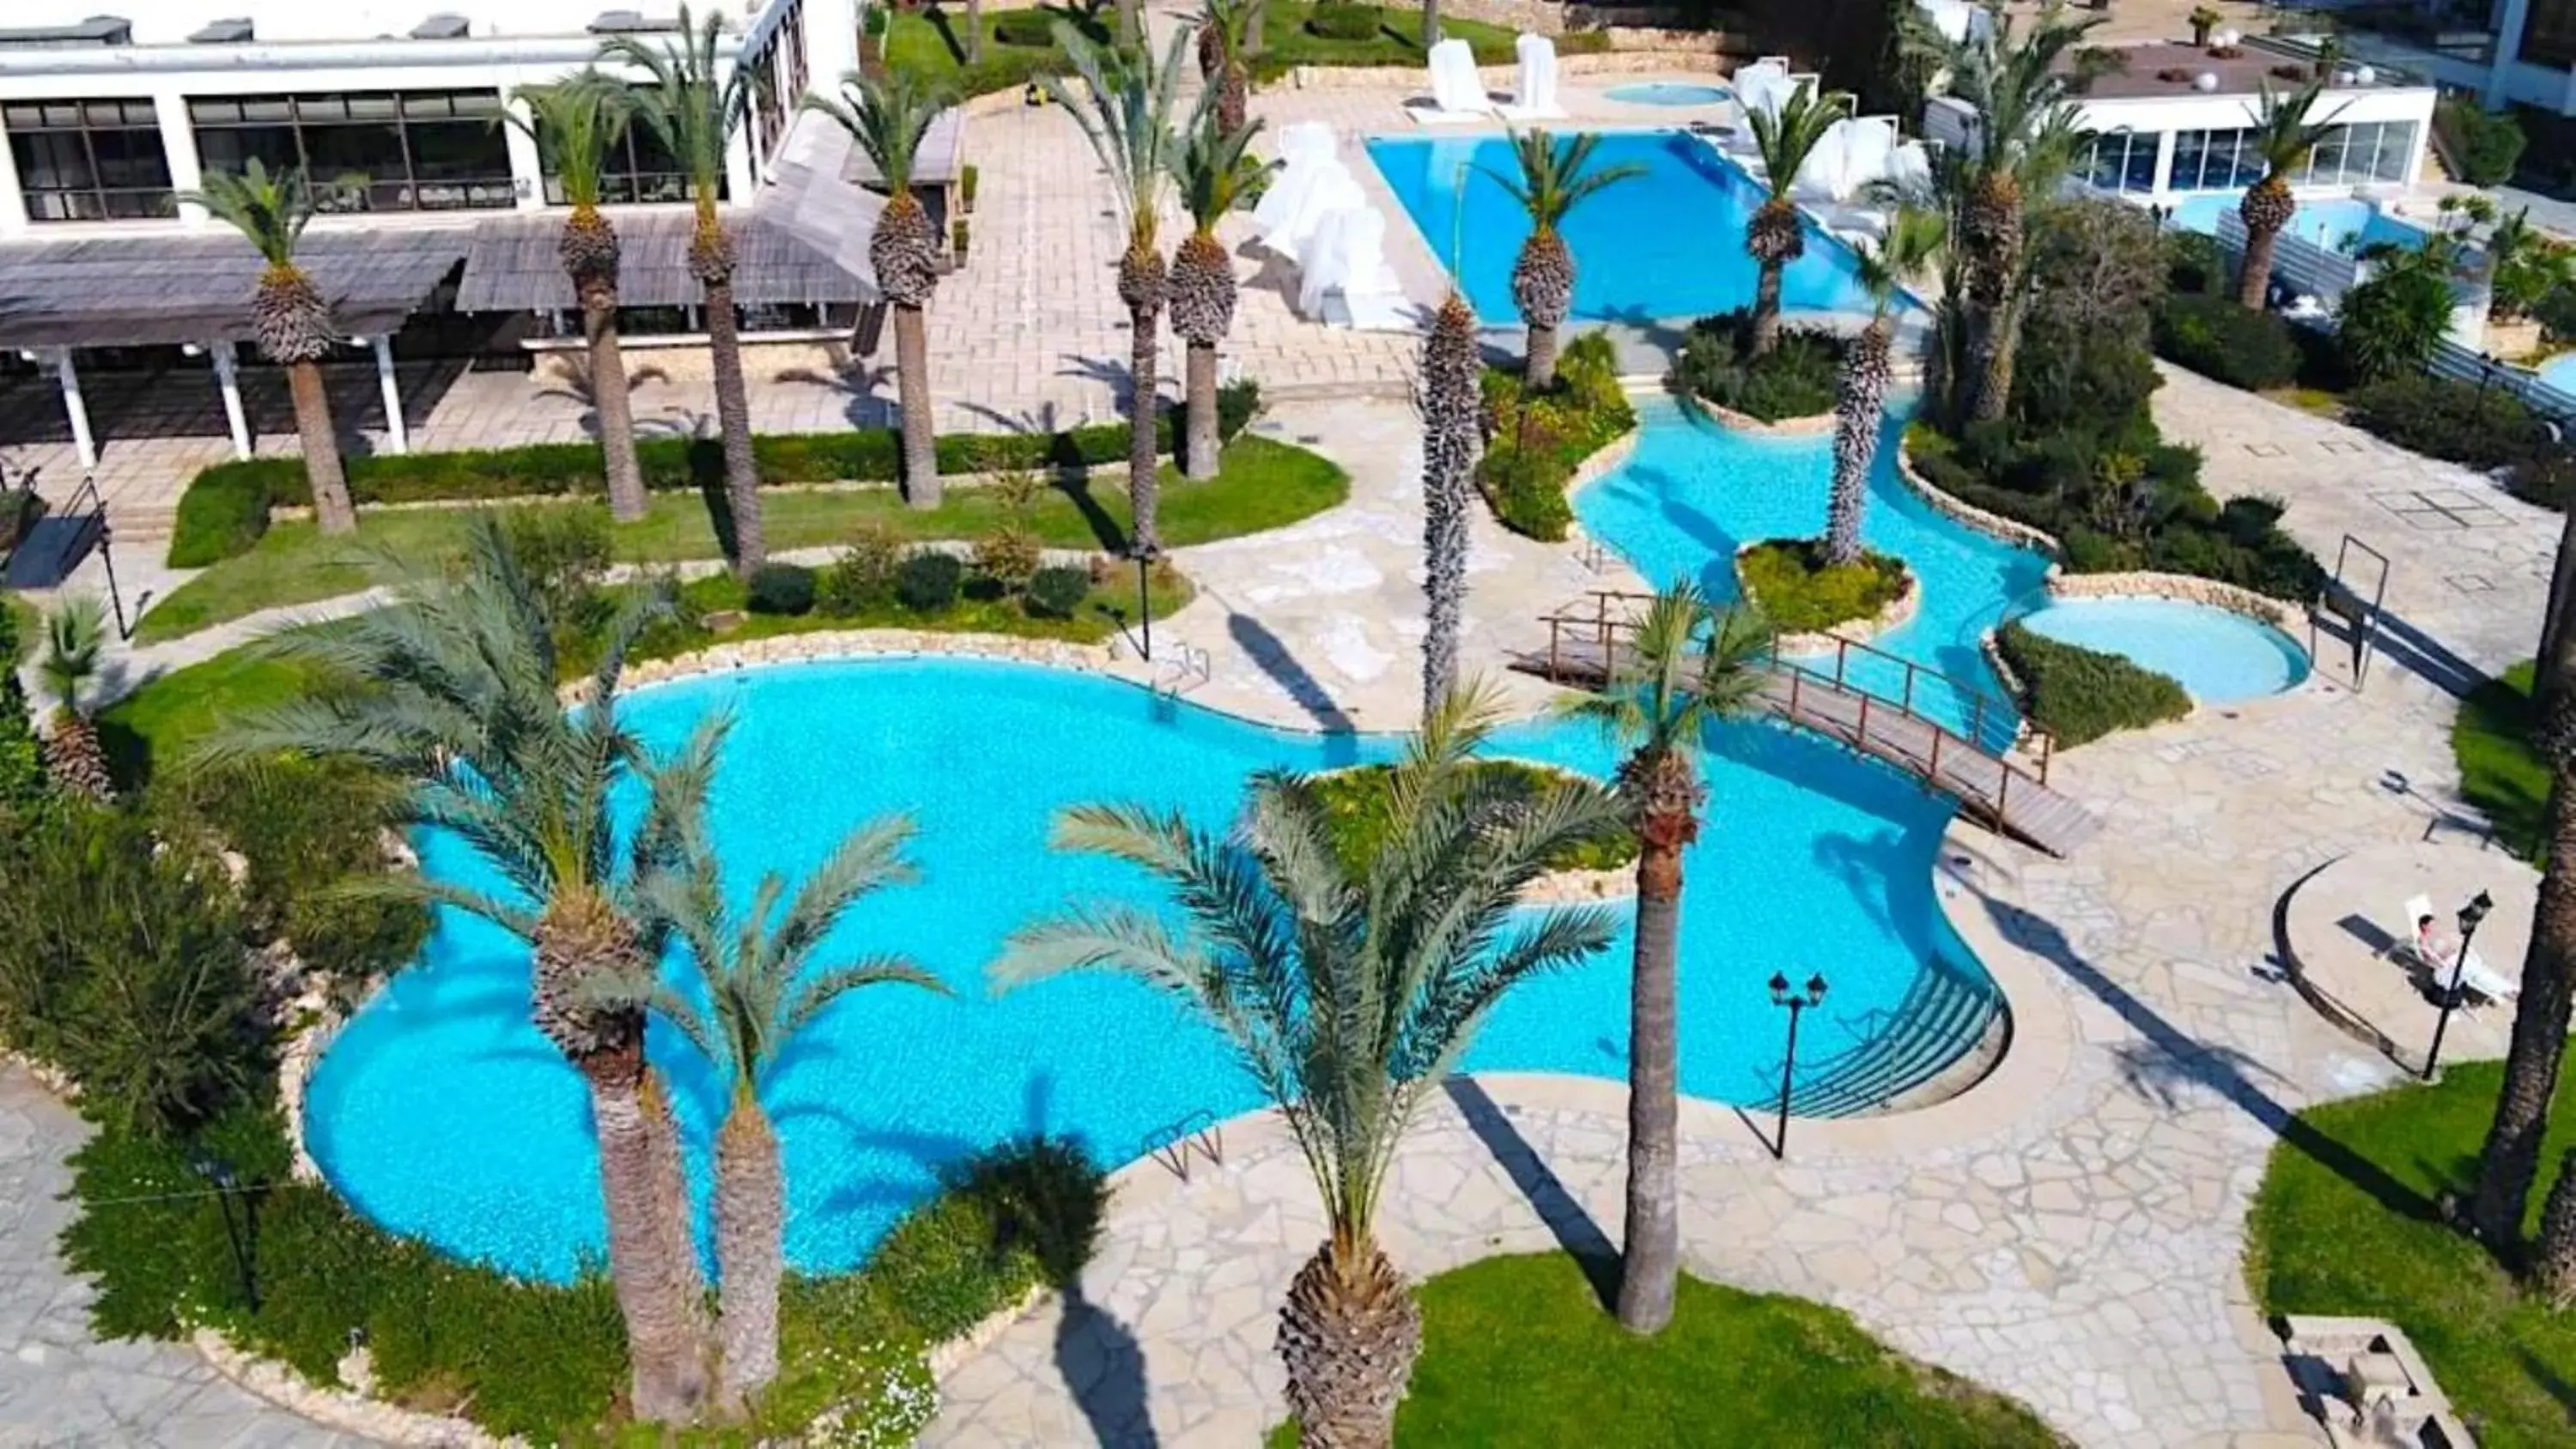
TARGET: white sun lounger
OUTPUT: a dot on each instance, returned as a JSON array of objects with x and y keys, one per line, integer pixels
[
  {"x": 1534, "y": 99},
  {"x": 1457, "y": 92},
  {"x": 2475, "y": 975}
]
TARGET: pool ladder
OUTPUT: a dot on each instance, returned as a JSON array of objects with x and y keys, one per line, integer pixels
[
  {"x": 1177, "y": 1144},
  {"x": 1190, "y": 668}
]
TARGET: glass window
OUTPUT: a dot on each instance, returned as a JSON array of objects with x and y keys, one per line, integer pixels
[
  {"x": 2396, "y": 151},
  {"x": 381, "y": 150},
  {"x": 2123, "y": 161},
  {"x": 640, "y": 170},
  {"x": 89, "y": 160},
  {"x": 2215, "y": 161}
]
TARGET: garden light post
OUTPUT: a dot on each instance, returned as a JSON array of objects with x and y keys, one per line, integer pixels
[
  {"x": 1797, "y": 1005},
  {"x": 2470, "y": 915},
  {"x": 220, "y": 1173},
  {"x": 1145, "y": 599}
]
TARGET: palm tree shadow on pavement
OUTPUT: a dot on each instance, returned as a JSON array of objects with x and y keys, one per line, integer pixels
[
  {"x": 1566, "y": 1218},
  {"x": 1275, "y": 658}
]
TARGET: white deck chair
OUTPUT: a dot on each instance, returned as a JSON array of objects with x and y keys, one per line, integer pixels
[
  {"x": 1534, "y": 98},
  {"x": 1457, "y": 92},
  {"x": 1309, "y": 159},
  {"x": 2476, "y": 976}
]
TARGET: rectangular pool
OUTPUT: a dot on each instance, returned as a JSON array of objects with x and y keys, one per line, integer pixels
[
  {"x": 1664, "y": 246},
  {"x": 2338, "y": 223}
]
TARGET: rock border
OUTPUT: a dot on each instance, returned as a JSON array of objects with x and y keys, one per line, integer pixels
[
  {"x": 2180, "y": 588},
  {"x": 1808, "y": 425},
  {"x": 1969, "y": 515},
  {"x": 1898, "y": 613},
  {"x": 345, "y": 1411}
]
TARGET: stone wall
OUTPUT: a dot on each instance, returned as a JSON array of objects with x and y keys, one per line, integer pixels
[
  {"x": 2182, "y": 587},
  {"x": 1805, "y": 427},
  {"x": 1993, "y": 525}
]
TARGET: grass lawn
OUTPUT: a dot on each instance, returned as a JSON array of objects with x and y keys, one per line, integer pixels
[
  {"x": 1520, "y": 1351},
  {"x": 160, "y": 722},
  {"x": 1286, "y": 40},
  {"x": 1262, "y": 484},
  {"x": 931, "y": 44},
  {"x": 2500, "y": 773},
  {"x": 2320, "y": 1242}
]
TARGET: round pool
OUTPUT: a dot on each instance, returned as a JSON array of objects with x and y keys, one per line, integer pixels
[
  {"x": 1667, "y": 93},
  {"x": 2217, "y": 655}
]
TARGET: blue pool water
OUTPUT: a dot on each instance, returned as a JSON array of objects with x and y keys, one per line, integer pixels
[
  {"x": 2560, "y": 372},
  {"x": 1667, "y": 93},
  {"x": 440, "y": 1112},
  {"x": 2337, "y": 223},
  {"x": 2219, "y": 656},
  {"x": 1665, "y": 245}
]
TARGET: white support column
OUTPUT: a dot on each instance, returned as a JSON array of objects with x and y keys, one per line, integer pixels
[
  {"x": 397, "y": 438},
  {"x": 179, "y": 148},
  {"x": 527, "y": 165},
  {"x": 73, "y": 408},
  {"x": 2511, "y": 17},
  {"x": 2164, "y": 165},
  {"x": 742, "y": 170},
  {"x": 228, "y": 382}
]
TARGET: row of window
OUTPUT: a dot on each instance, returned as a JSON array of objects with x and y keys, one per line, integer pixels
[{"x": 2229, "y": 160}]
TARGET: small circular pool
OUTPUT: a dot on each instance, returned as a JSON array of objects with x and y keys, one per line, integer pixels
[
  {"x": 1667, "y": 93},
  {"x": 2219, "y": 656}
]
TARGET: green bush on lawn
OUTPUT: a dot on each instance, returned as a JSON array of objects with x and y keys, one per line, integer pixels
[
  {"x": 1795, "y": 379},
  {"x": 1534, "y": 444},
  {"x": 1799, "y": 594},
  {"x": 2485, "y": 427},
  {"x": 226, "y": 509},
  {"x": 2079, "y": 695},
  {"x": 1362, "y": 813},
  {"x": 2216, "y": 338}
]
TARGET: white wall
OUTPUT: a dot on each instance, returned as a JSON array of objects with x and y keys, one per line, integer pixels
[{"x": 2165, "y": 115}]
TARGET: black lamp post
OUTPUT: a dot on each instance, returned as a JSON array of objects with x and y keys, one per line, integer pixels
[
  {"x": 1145, "y": 598},
  {"x": 220, "y": 1173},
  {"x": 1797, "y": 1005},
  {"x": 2470, "y": 915}
]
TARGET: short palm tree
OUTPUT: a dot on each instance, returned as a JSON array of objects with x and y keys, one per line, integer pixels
[
  {"x": 694, "y": 108},
  {"x": 760, "y": 989},
  {"x": 1348, "y": 993},
  {"x": 575, "y": 123},
  {"x": 1214, "y": 170},
  {"x": 1127, "y": 107},
  {"x": 1689, "y": 669},
  {"x": 1914, "y": 238},
  {"x": 887, "y": 114},
  {"x": 1554, "y": 177},
  {"x": 2285, "y": 137},
  {"x": 1451, "y": 413},
  {"x": 289, "y": 316},
  {"x": 1775, "y": 235},
  {"x": 75, "y": 635},
  {"x": 456, "y": 695},
  {"x": 1225, "y": 45}
]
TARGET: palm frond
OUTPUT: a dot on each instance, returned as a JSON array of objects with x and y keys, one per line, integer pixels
[
  {"x": 575, "y": 123},
  {"x": 887, "y": 115}
]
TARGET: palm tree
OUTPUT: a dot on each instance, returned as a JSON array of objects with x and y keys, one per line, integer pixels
[
  {"x": 2026, "y": 136},
  {"x": 2285, "y": 138},
  {"x": 1775, "y": 235},
  {"x": 1554, "y": 179},
  {"x": 289, "y": 316},
  {"x": 974, "y": 32},
  {"x": 1226, "y": 39},
  {"x": 75, "y": 632},
  {"x": 1430, "y": 24},
  {"x": 1451, "y": 412},
  {"x": 1126, "y": 108},
  {"x": 1215, "y": 168},
  {"x": 2554, "y": 1266},
  {"x": 1914, "y": 238},
  {"x": 457, "y": 697},
  {"x": 759, "y": 993},
  {"x": 1349, "y": 993},
  {"x": 1689, "y": 670},
  {"x": 574, "y": 123},
  {"x": 887, "y": 115},
  {"x": 694, "y": 108}
]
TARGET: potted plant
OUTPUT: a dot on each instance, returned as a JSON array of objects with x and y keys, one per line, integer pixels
[
  {"x": 2329, "y": 55},
  {"x": 2203, "y": 21}
]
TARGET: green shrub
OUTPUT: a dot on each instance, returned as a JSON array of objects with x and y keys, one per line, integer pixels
[
  {"x": 2459, "y": 421},
  {"x": 22, "y": 760},
  {"x": 2216, "y": 338},
  {"x": 1031, "y": 28},
  {"x": 2548, "y": 481},
  {"x": 2556, "y": 314},
  {"x": 2389, "y": 326},
  {"x": 2079, "y": 695},
  {"x": 928, "y": 582},
  {"x": 1009, "y": 556},
  {"x": 780, "y": 588},
  {"x": 221, "y": 514},
  {"x": 863, "y": 576},
  {"x": 1361, "y": 815},
  {"x": 1344, "y": 22},
  {"x": 1056, "y": 591},
  {"x": 2194, "y": 263},
  {"x": 1795, "y": 379},
  {"x": 1799, "y": 594},
  {"x": 2487, "y": 147},
  {"x": 1535, "y": 443}
]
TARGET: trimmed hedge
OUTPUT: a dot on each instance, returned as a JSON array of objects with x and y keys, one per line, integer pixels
[
  {"x": 2080, "y": 695},
  {"x": 2216, "y": 338},
  {"x": 1787, "y": 579},
  {"x": 1795, "y": 379},
  {"x": 2460, "y": 421},
  {"x": 226, "y": 509},
  {"x": 1534, "y": 444},
  {"x": 1362, "y": 815}
]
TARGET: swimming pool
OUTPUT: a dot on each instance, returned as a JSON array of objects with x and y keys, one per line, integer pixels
[
  {"x": 440, "y": 1112},
  {"x": 2337, "y": 223},
  {"x": 2219, "y": 656},
  {"x": 1667, "y": 93},
  {"x": 2560, "y": 372},
  {"x": 1665, "y": 245}
]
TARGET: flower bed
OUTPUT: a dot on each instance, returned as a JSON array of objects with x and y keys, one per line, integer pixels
[
  {"x": 1788, "y": 389},
  {"x": 1536, "y": 445},
  {"x": 1813, "y": 605}
]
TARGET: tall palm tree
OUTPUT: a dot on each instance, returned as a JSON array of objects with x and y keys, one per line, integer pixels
[
  {"x": 1430, "y": 24},
  {"x": 1349, "y": 993},
  {"x": 1690, "y": 669},
  {"x": 1554, "y": 178},
  {"x": 574, "y": 123},
  {"x": 695, "y": 108},
  {"x": 1451, "y": 413},
  {"x": 457, "y": 698},
  {"x": 1775, "y": 235},
  {"x": 1914, "y": 238},
  {"x": 760, "y": 989},
  {"x": 1215, "y": 169},
  {"x": 1127, "y": 108},
  {"x": 2025, "y": 142},
  {"x": 2554, "y": 1265},
  {"x": 887, "y": 115},
  {"x": 289, "y": 316},
  {"x": 75, "y": 633},
  {"x": 1226, "y": 41},
  {"x": 2285, "y": 138}
]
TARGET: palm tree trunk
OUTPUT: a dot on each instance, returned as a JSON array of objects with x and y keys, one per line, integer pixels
[
  {"x": 912, "y": 397},
  {"x": 1143, "y": 359},
  {"x": 1430, "y": 24},
  {"x": 751, "y": 1211},
  {"x": 1539, "y": 371},
  {"x": 332, "y": 507},
  {"x": 733, "y": 420},
  {"x": 1199, "y": 445},
  {"x": 1766, "y": 309},
  {"x": 974, "y": 32},
  {"x": 2553, "y": 623},
  {"x": 1349, "y": 1335},
  {"x": 616, "y": 413},
  {"x": 1991, "y": 363},
  {"x": 655, "y": 1278},
  {"x": 1131, "y": 22},
  {"x": 1650, "y": 1263},
  {"x": 2256, "y": 278},
  {"x": 2555, "y": 1270}
]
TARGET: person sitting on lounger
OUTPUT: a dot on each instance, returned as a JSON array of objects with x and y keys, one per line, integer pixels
[{"x": 2431, "y": 946}]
